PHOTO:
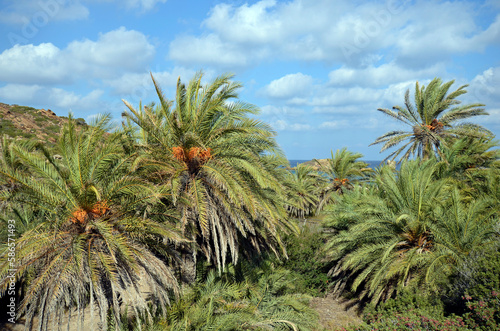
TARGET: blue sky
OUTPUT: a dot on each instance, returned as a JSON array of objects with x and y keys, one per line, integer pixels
[{"x": 318, "y": 69}]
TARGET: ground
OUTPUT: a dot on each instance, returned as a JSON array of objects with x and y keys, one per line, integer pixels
[{"x": 335, "y": 312}]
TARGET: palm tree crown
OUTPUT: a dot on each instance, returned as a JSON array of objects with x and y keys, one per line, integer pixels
[
  {"x": 220, "y": 165},
  {"x": 94, "y": 242},
  {"x": 341, "y": 171},
  {"x": 432, "y": 118}
]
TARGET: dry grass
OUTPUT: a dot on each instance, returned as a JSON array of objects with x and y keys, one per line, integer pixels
[{"x": 335, "y": 313}]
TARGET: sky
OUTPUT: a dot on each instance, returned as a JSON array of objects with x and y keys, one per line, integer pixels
[{"x": 317, "y": 69}]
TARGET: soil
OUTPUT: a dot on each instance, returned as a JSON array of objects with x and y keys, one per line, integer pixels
[{"x": 335, "y": 313}]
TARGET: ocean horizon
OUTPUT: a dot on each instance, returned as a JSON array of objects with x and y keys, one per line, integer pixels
[{"x": 371, "y": 164}]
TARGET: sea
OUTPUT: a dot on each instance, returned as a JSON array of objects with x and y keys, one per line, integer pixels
[{"x": 371, "y": 164}]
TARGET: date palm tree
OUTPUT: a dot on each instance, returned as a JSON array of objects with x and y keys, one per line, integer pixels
[
  {"x": 384, "y": 237},
  {"x": 410, "y": 230},
  {"x": 435, "y": 116},
  {"x": 223, "y": 303},
  {"x": 101, "y": 238},
  {"x": 221, "y": 165},
  {"x": 303, "y": 187},
  {"x": 341, "y": 171}
]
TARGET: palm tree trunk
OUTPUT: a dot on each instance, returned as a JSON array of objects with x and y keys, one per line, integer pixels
[{"x": 188, "y": 266}]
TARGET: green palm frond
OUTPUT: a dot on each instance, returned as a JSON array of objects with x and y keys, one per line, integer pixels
[
  {"x": 91, "y": 249},
  {"x": 434, "y": 116},
  {"x": 215, "y": 159}
]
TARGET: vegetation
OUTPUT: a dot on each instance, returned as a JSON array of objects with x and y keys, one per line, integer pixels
[
  {"x": 221, "y": 167},
  {"x": 434, "y": 117},
  {"x": 94, "y": 239},
  {"x": 341, "y": 172},
  {"x": 187, "y": 218}
]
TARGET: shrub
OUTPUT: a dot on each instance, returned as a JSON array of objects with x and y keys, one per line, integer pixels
[{"x": 306, "y": 261}]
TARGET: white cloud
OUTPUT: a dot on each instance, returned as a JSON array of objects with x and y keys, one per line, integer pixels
[
  {"x": 254, "y": 24},
  {"x": 19, "y": 93},
  {"x": 292, "y": 85},
  {"x": 144, "y": 4},
  {"x": 209, "y": 50},
  {"x": 40, "y": 12},
  {"x": 50, "y": 97},
  {"x": 382, "y": 75},
  {"x": 283, "y": 125},
  {"x": 485, "y": 89},
  {"x": 113, "y": 53},
  {"x": 352, "y": 33},
  {"x": 330, "y": 125},
  {"x": 283, "y": 111},
  {"x": 346, "y": 96},
  {"x": 40, "y": 64},
  {"x": 140, "y": 84},
  {"x": 449, "y": 28}
]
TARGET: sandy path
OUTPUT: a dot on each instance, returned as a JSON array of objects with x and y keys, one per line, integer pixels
[{"x": 335, "y": 312}]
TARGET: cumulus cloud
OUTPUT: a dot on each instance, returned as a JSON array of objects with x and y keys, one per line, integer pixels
[
  {"x": 382, "y": 75},
  {"x": 41, "y": 11},
  {"x": 140, "y": 84},
  {"x": 292, "y": 85},
  {"x": 351, "y": 33},
  {"x": 145, "y": 5},
  {"x": 42, "y": 64},
  {"x": 113, "y": 52},
  {"x": 50, "y": 97},
  {"x": 209, "y": 50},
  {"x": 283, "y": 125},
  {"x": 485, "y": 89},
  {"x": 281, "y": 111}
]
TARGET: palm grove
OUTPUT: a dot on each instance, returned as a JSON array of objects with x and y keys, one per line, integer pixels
[{"x": 186, "y": 218}]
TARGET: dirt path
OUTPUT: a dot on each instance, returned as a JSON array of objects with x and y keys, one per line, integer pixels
[{"x": 335, "y": 313}]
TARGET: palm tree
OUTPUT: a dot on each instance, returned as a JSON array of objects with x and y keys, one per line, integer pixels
[
  {"x": 223, "y": 303},
  {"x": 387, "y": 231},
  {"x": 433, "y": 117},
  {"x": 472, "y": 163},
  {"x": 221, "y": 165},
  {"x": 463, "y": 229},
  {"x": 410, "y": 230},
  {"x": 101, "y": 239},
  {"x": 303, "y": 184},
  {"x": 341, "y": 171}
]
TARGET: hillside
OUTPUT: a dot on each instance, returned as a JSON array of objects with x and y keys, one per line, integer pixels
[{"x": 26, "y": 122}]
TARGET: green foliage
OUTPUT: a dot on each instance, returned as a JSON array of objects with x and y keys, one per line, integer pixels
[
  {"x": 222, "y": 167},
  {"x": 7, "y": 128},
  {"x": 474, "y": 290},
  {"x": 410, "y": 230},
  {"x": 341, "y": 172},
  {"x": 92, "y": 246},
  {"x": 303, "y": 188},
  {"x": 432, "y": 119},
  {"x": 412, "y": 319},
  {"x": 259, "y": 303},
  {"x": 22, "y": 109},
  {"x": 306, "y": 261}
]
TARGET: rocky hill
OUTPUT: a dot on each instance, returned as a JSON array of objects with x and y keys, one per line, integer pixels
[{"x": 19, "y": 122}]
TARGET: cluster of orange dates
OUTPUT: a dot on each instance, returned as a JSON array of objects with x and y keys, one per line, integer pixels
[
  {"x": 203, "y": 155},
  {"x": 98, "y": 209},
  {"x": 434, "y": 126},
  {"x": 342, "y": 182}
]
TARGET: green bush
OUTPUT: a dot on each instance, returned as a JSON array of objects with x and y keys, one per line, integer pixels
[
  {"x": 479, "y": 279},
  {"x": 306, "y": 261},
  {"x": 410, "y": 320}
]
